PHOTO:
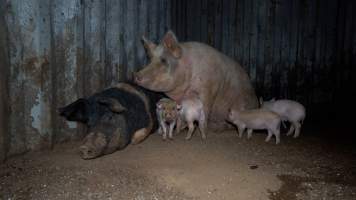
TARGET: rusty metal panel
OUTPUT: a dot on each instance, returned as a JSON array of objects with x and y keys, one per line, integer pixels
[
  {"x": 67, "y": 61},
  {"x": 61, "y": 50},
  {"x": 29, "y": 46}
]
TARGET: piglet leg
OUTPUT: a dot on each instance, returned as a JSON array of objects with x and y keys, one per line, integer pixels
[
  {"x": 171, "y": 127},
  {"x": 164, "y": 128},
  {"x": 190, "y": 130},
  {"x": 297, "y": 129},
  {"x": 268, "y": 138},
  {"x": 291, "y": 129},
  {"x": 249, "y": 133}
]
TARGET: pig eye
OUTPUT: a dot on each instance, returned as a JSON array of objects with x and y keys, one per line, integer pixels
[{"x": 163, "y": 60}]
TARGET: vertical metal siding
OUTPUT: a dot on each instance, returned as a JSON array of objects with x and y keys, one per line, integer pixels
[{"x": 61, "y": 50}]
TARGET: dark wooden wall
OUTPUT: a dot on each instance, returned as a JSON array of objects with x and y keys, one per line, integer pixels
[
  {"x": 297, "y": 49},
  {"x": 61, "y": 50}
]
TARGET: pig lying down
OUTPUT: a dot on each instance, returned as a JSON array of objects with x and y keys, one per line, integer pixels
[
  {"x": 192, "y": 111},
  {"x": 288, "y": 110},
  {"x": 115, "y": 117},
  {"x": 167, "y": 115},
  {"x": 256, "y": 119},
  {"x": 180, "y": 68}
]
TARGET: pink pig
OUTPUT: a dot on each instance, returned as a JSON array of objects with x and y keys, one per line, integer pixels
[{"x": 179, "y": 68}]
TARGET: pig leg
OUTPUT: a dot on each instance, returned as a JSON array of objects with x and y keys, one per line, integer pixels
[
  {"x": 241, "y": 130},
  {"x": 277, "y": 134},
  {"x": 268, "y": 138},
  {"x": 190, "y": 130},
  {"x": 170, "y": 134},
  {"x": 202, "y": 125},
  {"x": 249, "y": 133},
  {"x": 291, "y": 129},
  {"x": 179, "y": 125},
  {"x": 297, "y": 126},
  {"x": 164, "y": 128},
  {"x": 140, "y": 135},
  {"x": 160, "y": 130}
]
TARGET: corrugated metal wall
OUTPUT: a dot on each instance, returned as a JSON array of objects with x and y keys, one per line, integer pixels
[
  {"x": 298, "y": 49},
  {"x": 61, "y": 50},
  {"x": 4, "y": 67},
  {"x": 53, "y": 52}
]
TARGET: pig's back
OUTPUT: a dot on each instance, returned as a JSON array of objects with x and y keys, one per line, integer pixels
[
  {"x": 259, "y": 118},
  {"x": 289, "y": 109}
]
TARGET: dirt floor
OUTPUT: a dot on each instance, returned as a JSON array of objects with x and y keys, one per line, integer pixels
[{"x": 222, "y": 167}]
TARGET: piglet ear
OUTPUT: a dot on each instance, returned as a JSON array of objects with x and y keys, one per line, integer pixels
[
  {"x": 171, "y": 43},
  {"x": 112, "y": 104},
  {"x": 179, "y": 107},
  {"x": 159, "y": 105},
  {"x": 149, "y": 46}
]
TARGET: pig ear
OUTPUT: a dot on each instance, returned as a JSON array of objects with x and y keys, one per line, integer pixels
[
  {"x": 149, "y": 46},
  {"x": 273, "y": 99},
  {"x": 171, "y": 43},
  {"x": 179, "y": 107},
  {"x": 159, "y": 105},
  {"x": 112, "y": 104},
  {"x": 76, "y": 111}
]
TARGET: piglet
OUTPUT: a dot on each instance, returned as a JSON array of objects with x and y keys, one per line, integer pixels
[
  {"x": 192, "y": 111},
  {"x": 288, "y": 110},
  {"x": 167, "y": 114},
  {"x": 256, "y": 119}
]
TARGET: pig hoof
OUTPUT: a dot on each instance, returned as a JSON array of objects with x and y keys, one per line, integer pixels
[{"x": 188, "y": 138}]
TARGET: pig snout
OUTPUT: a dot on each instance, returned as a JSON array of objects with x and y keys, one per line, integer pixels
[{"x": 86, "y": 152}]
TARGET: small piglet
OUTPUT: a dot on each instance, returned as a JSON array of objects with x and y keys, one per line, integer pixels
[
  {"x": 167, "y": 114},
  {"x": 288, "y": 110},
  {"x": 192, "y": 111},
  {"x": 256, "y": 119}
]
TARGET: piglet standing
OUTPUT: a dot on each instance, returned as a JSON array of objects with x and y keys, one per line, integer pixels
[
  {"x": 167, "y": 114},
  {"x": 288, "y": 110},
  {"x": 257, "y": 119},
  {"x": 192, "y": 110}
]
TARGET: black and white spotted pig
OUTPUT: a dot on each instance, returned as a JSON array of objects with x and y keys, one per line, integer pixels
[
  {"x": 115, "y": 117},
  {"x": 167, "y": 115}
]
